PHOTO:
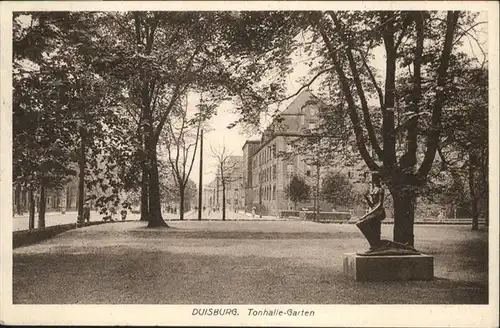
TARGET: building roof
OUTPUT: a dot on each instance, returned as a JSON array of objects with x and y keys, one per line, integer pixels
[
  {"x": 249, "y": 141},
  {"x": 294, "y": 108},
  {"x": 288, "y": 122}
]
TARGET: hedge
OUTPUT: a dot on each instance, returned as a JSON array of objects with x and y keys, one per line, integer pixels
[
  {"x": 285, "y": 214},
  {"x": 326, "y": 216},
  {"x": 27, "y": 237}
]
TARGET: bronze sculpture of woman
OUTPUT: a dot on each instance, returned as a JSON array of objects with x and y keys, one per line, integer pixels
[{"x": 370, "y": 225}]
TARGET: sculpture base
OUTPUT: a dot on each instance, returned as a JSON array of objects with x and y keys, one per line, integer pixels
[{"x": 388, "y": 267}]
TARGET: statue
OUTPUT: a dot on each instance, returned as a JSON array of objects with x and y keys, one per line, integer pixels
[{"x": 371, "y": 223}]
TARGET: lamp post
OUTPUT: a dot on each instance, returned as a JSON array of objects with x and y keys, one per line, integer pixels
[{"x": 200, "y": 183}]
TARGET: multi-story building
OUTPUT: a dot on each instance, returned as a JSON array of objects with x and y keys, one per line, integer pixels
[
  {"x": 60, "y": 199},
  {"x": 267, "y": 172}
]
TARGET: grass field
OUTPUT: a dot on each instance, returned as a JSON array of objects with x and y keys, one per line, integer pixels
[{"x": 288, "y": 262}]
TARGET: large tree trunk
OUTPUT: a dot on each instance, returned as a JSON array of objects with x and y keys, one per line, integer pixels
[
  {"x": 18, "y": 199},
  {"x": 182, "y": 191},
  {"x": 41, "y": 207},
  {"x": 155, "y": 217},
  {"x": 144, "y": 195},
  {"x": 24, "y": 200},
  {"x": 31, "y": 200},
  {"x": 404, "y": 215},
  {"x": 68, "y": 198},
  {"x": 81, "y": 181}
]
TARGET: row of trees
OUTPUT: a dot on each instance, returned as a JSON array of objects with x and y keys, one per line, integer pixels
[{"x": 104, "y": 90}]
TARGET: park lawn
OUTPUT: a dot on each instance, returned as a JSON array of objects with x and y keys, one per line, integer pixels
[{"x": 245, "y": 262}]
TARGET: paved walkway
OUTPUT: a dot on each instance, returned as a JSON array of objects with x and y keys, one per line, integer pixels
[
  {"x": 230, "y": 215},
  {"x": 57, "y": 218},
  {"x": 238, "y": 262}
]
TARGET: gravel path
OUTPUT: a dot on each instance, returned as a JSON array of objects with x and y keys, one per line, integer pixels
[{"x": 240, "y": 262}]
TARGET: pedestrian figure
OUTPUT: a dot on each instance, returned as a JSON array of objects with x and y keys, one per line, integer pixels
[
  {"x": 86, "y": 212},
  {"x": 124, "y": 214},
  {"x": 253, "y": 211}
]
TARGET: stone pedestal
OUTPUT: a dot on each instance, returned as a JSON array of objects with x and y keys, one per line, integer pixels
[{"x": 389, "y": 267}]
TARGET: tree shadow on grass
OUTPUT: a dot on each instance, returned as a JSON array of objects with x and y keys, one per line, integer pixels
[
  {"x": 125, "y": 276},
  {"x": 182, "y": 233}
]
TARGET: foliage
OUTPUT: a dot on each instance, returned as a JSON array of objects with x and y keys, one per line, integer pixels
[
  {"x": 121, "y": 76},
  {"x": 57, "y": 79},
  {"x": 337, "y": 190}
]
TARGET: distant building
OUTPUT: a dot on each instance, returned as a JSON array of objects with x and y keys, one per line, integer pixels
[
  {"x": 267, "y": 174},
  {"x": 64, "y": 198},
  {"x": 235, "y": 194},
  {"x": 61, "y": 199}
]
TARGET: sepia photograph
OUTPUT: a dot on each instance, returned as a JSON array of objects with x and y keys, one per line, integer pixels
[{"x": 250, "y": 163}]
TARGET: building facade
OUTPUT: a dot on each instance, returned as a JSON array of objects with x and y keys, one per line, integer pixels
[{"x": 268, "y": 173}]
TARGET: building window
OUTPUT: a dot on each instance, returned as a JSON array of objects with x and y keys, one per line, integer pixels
[
  {"x": 274, "y": 172},
  {"x": 274, "y": 192}
]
